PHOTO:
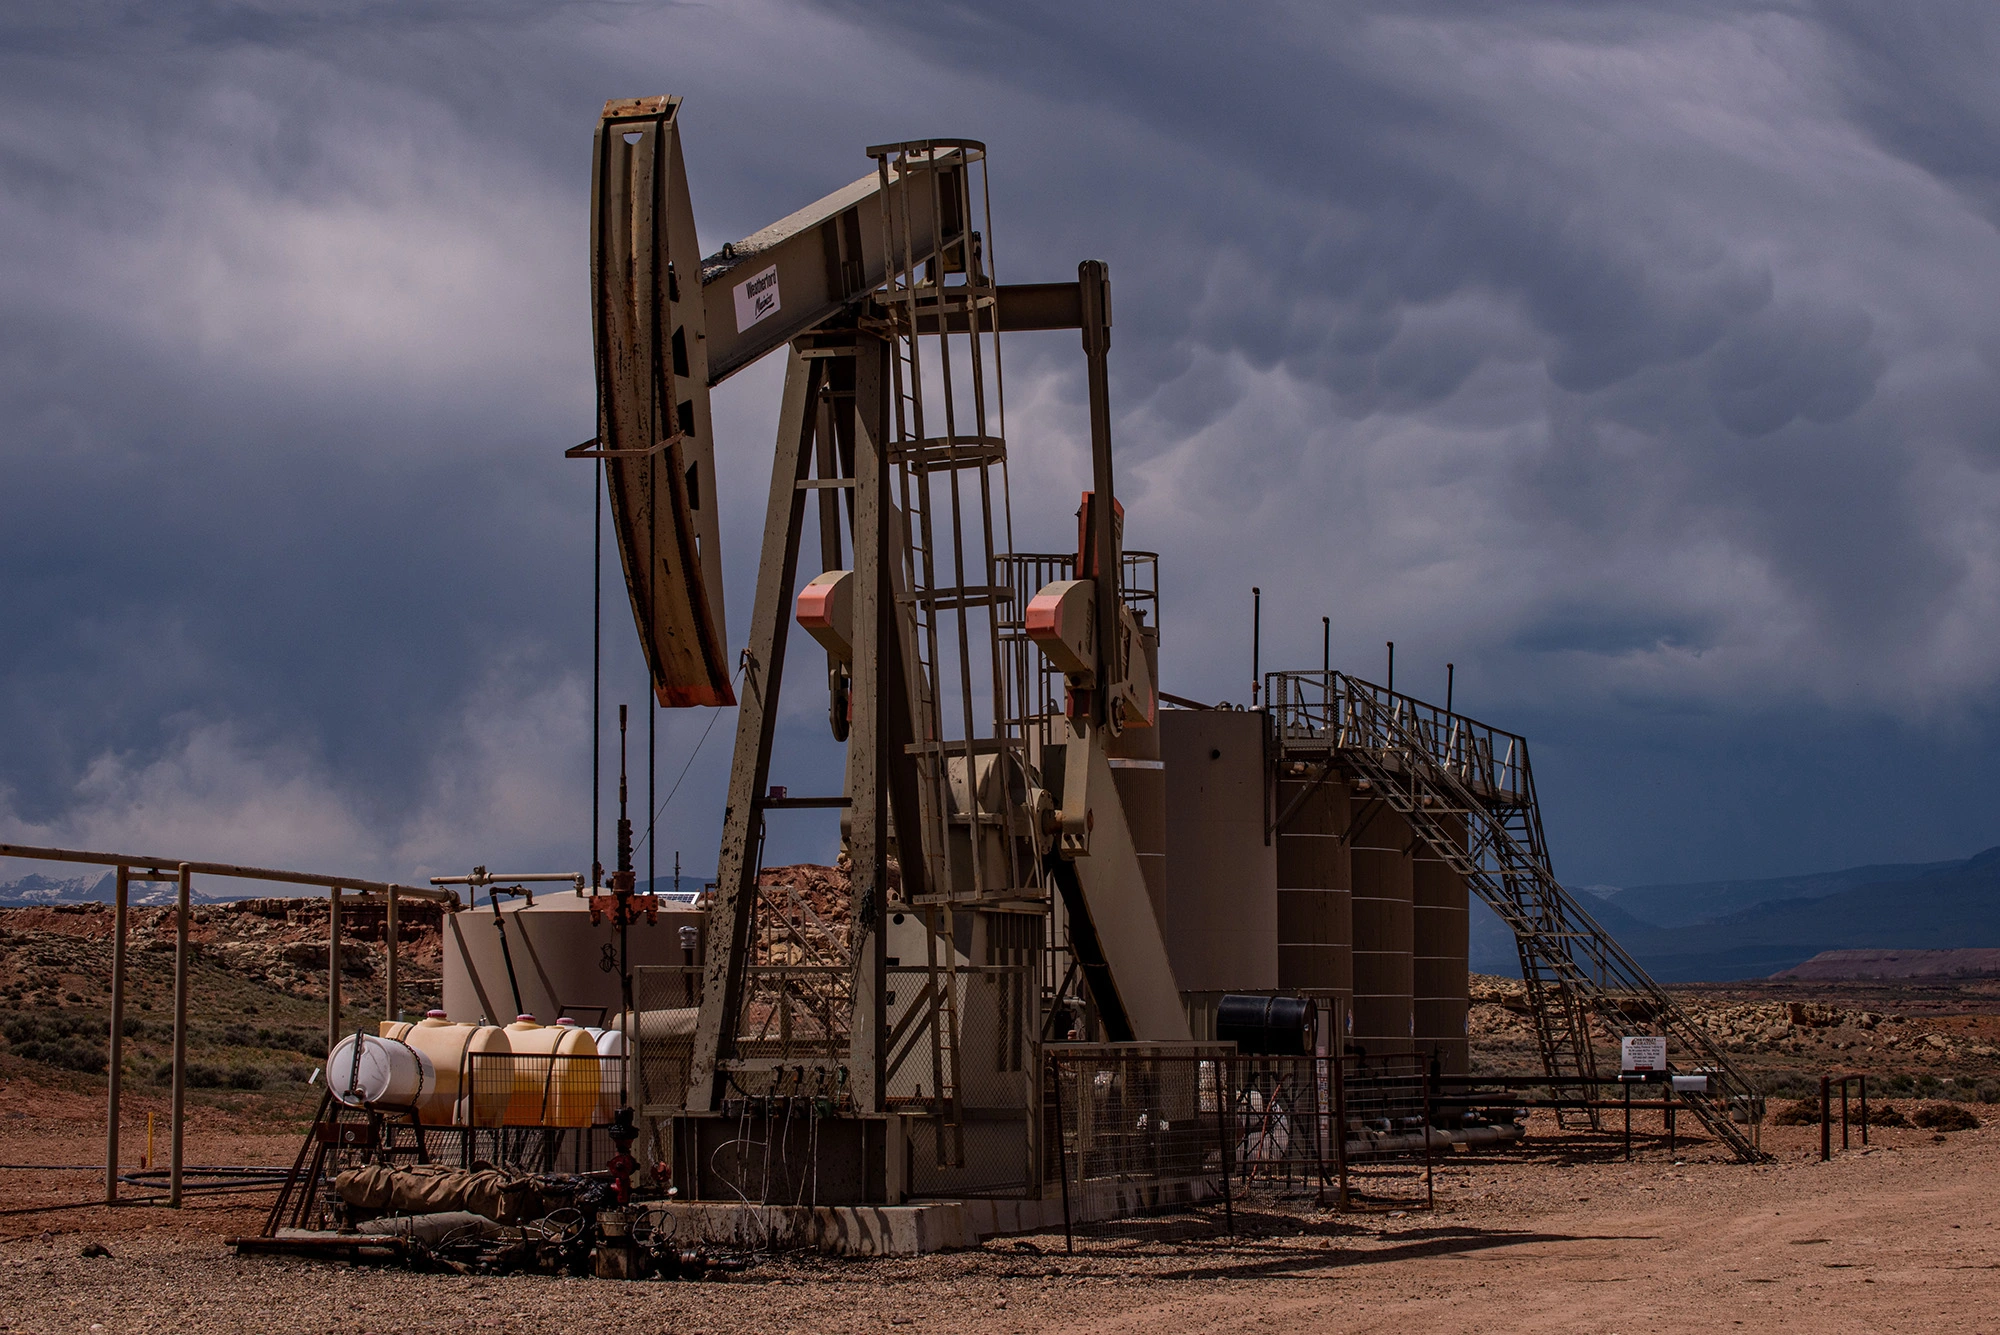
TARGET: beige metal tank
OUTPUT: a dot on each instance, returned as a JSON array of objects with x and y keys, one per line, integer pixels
[
  {"x": 1315, "y": 891},
  {"x": 1440, "y": 941},
  {"x": 1221, "y": 914},
  {"x": 1383, "y": 1016},
  {"x": 560, "y": 960},
  {"x": 556, "y": 1080},
  {"x": 448, "y": 1047}
]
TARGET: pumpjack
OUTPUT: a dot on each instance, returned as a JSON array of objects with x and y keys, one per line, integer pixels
[{"x": 996, "y": 887}]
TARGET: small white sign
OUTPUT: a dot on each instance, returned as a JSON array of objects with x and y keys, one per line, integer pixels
[
  {"x": 756, "y": 298},
  {"x": 1644, "y": 1053}
]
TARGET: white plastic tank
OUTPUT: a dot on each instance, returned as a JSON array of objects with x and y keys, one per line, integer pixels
[
  {"x": 449, "y": 1047},
  {"x": 610, "y": 1068},
  {"x": 367, "y": 1070}
]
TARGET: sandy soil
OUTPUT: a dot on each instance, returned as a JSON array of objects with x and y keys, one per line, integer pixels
[{"x": 1562, "y": 1238}]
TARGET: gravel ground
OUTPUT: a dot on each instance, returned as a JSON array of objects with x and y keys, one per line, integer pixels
[{"x": 1562, "y": 1237}]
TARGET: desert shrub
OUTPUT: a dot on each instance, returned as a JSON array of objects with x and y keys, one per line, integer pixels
[
  {"x": 246, "y": 1077},
  {"x": 72, "y": 1042},
  {"x": 1945, "y": 1117},
  {"x": 293, "y": 1040},
  {"x": 71, "y": 1054},
  {"x": 200, "y": 1075},
  {"x": 1886, "y": 1114},
  {"x": 1805, "y": 1112},
  {"x": 1988, "y": 1092}
]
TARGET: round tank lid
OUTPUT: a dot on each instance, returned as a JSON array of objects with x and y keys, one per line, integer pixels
[
  {"x": 524, "y": 1019},
  {"x": 566, "y": 1023},
  {"x": 433, "y": 1015}
]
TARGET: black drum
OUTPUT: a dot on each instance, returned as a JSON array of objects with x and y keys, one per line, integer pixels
[{"x": 1266, "y": 1026}]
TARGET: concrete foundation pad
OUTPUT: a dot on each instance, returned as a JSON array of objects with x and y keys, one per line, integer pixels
[{"x": 899, "y": 1230}]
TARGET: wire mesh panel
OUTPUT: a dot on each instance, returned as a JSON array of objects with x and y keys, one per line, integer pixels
[
  {"x": 542, "y": 1089},
  {"x": 1284, "y": 1122},
  {"x": 1133, "y": 1128},
  {"x": 667, "y": 1001},
  {"x": 1386, "y": 1107}
]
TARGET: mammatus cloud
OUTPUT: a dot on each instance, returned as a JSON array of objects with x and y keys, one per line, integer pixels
[{"x": 1640, "y": 361}]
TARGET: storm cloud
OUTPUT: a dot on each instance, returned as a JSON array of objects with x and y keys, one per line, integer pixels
[{"x": 1639, "y": 360}]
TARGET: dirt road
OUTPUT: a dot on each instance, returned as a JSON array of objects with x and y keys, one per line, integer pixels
[{"x": 1899, "y": 1238}]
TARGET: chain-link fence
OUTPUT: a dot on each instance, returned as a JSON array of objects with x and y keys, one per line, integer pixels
[{"x": 1160, "y": 1143}]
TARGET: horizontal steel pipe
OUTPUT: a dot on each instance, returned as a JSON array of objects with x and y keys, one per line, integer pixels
[{"x": 318, "y": 880}]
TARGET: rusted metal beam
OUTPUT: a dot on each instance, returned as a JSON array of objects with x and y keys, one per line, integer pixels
[{"x": 732, "y": 916}]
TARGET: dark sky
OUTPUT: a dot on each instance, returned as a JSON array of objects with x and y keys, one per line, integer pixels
[{"x": 1640, "y": 360}]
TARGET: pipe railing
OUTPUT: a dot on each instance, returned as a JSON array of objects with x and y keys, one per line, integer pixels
[
  {"x": 1328, "y": 709},
  {"x": 137, "y": 867}
]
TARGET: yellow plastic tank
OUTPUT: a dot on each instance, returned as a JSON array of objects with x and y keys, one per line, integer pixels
[
  {"x": 449, "y": 1046},
  {"x": 555, "y": 1074}
]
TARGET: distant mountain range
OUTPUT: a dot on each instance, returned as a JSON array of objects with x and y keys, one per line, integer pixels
[
  {"x": 35, "y": 889},
  {"x": 1712, "y": 931}
]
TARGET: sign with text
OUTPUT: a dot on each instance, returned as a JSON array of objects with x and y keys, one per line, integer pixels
[
  {"x": 756, "y": 298},
  {"x": 1642, "y": 1054}
]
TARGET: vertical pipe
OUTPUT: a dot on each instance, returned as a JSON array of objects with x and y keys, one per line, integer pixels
[
  {"x": 1391, "y": 683},
  {"x": 389, "y": 935},
  {"x": 1225, "y": 1104},
  {"x": 117, "y": 1053},
  {"x": 1326, "y": 644},
  {"x": 332, "y": 967},
  {"x": 1628, "y": 1120},
  {"x": 1825, "y": 1121},
  {"x": 1450, "y": 678},
  {"x": 1339, "y": 1060},
  {"x": 1062, "y": 1157},
  {"x": 1864, "y": 1109},
  {"x": 1843, "y": 1112},
  {"x": 180, "y": 1034},
  {"x": 1430, "y": 1182},
  {"x": 1256, "y": 643}
]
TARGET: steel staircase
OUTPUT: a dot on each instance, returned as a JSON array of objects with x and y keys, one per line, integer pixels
[{"x": 1442, "y": 772}]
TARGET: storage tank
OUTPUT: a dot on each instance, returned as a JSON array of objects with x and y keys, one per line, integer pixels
[
  {"x": 559, "y": 960},
  {"x": 448, "y": 1047},
  {"x": 1220, "y": 919},
  {"x": 1384, "y": 1017},
  {"x": 555, "y": 1070},
  {"x": 1315, "y": 890},
  {"x": 369, "y": 1071},
  {"x": 1440, "y": 939}
]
